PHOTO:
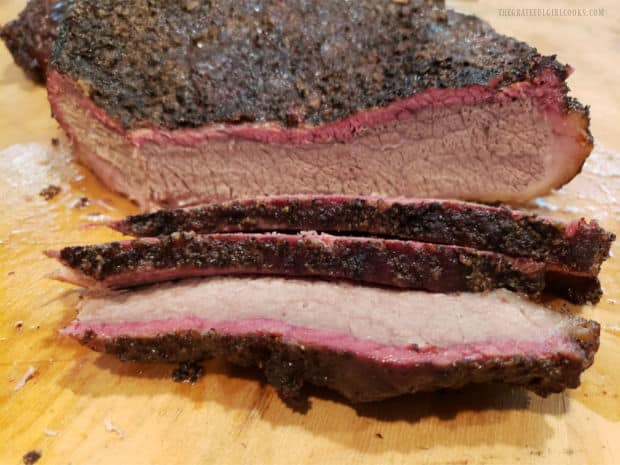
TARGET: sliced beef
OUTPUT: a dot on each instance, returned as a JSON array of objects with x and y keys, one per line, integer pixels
[
  {"x": 403, "y": 264},
  {"x": 30, "y": 37},
  {"x": 366, "y": 343},
  {"x": 219, "y": 99},
  {"x": 576, "y": 247}
]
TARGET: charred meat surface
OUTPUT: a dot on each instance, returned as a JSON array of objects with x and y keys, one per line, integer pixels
[
  {"x": 404, "y": 264},
  {"x": 264, "y": 60},
  {"x": 578, "y": 247},
  {"x": 30, "y": 37},
  {"x": 366, "y": 343}
]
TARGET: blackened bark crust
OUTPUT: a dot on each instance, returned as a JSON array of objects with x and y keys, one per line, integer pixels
[
  {"x": 30, "y": 37},
  {"x": 296, "y": 62},
  {"x": 513, "y": 233},
  {"x": 402, "y": 264},
  {"x": 288, "y": 365}
]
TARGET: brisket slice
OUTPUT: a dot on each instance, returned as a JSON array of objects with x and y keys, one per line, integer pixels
[
  {"x": 576, "y": 247},
  {"x": 30, "y": 37},
  {"x": 403, "y": 264},
  {"x": 175, "y": 106},
  {"x": 366, "y": 343}
]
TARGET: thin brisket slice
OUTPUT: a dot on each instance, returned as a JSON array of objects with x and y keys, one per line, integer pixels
[
  {"x": 403, "y": 264},
  {"x": 366, "y": 343},
  {"x": 577, "y": 247}
]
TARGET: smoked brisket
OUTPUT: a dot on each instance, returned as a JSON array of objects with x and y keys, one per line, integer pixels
[
  {"x": 175, "y": 106},
  {"x": 366, "y": 343},
  {"x": 578, "y": 247},
  {"x": 388, "y": 262},
  {"x": 30, "y": 37},
  {"x": 404, "y": 264}
]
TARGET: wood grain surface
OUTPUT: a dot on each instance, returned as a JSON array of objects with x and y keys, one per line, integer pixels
[{"x": 230, "y": 415}]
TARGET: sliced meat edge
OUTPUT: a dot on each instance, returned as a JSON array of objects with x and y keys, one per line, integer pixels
[
  {"x": 403, "y": 264},
  {"x": 366, "y": 343},
  {"x": 578, "y": 247}
]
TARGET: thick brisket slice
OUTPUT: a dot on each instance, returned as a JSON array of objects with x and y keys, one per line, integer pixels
[
  {"x": 366, "y": 343},
  {"x": 30, "y": 37},
  {"x": 403, "y": 264},
  {"x": 577, "y": 247},
  {"x": 175, "y": 106}
]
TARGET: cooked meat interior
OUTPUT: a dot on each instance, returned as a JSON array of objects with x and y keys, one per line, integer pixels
[
  {"x": 576, "y": 247},
  {"x": 175, "y": 106},
  {"x": 366, "y": 343}
]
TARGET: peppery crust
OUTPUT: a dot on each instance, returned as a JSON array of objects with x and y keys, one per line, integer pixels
[
  {"x": 577, "y": 247},
  {"x": 401, "y": 264},
  {"x": 29, "y": 38},
  {"x": 293, "y": 63},
  {"x": 287, "y": 366}
]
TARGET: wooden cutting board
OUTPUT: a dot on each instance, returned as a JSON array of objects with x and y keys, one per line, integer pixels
[{"x": 230, "y": 415}]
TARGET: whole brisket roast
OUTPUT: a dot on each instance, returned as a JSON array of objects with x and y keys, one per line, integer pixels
[
  {"x": 366, "y": 343},
  {"x": 177, "y": 104}
]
